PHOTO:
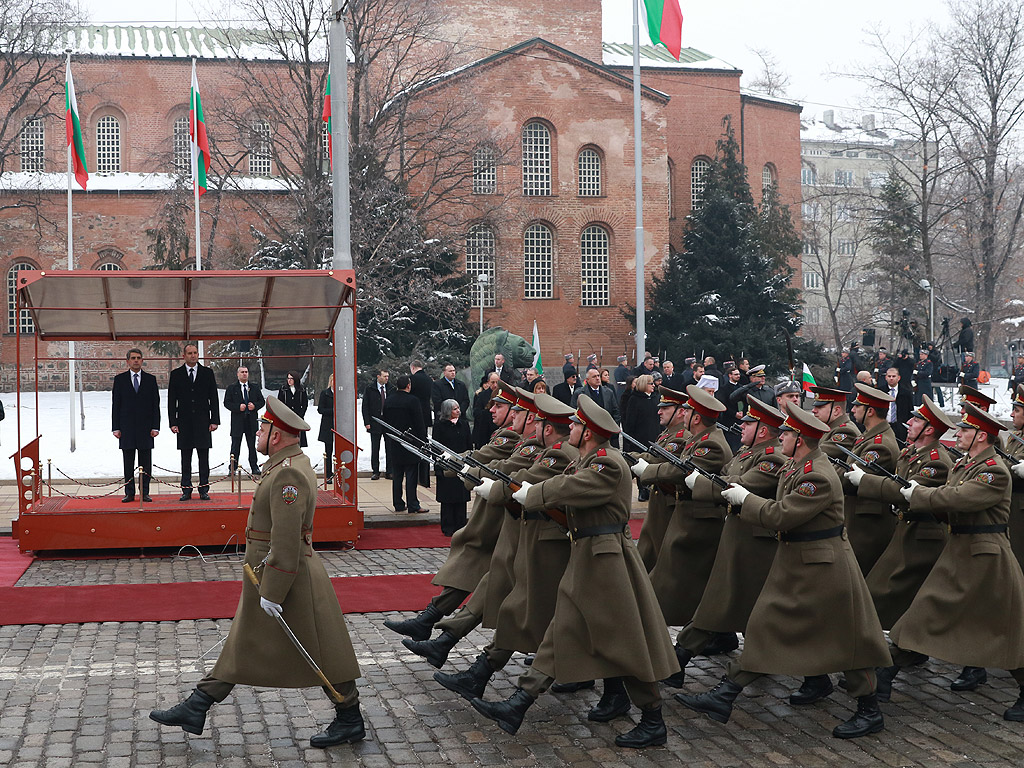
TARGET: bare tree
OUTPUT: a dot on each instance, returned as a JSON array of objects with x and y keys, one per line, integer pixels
[{"x": 772, "y": 79}]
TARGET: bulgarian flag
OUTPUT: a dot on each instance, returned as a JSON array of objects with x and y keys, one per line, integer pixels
[
  {"x": 665, "y": 24},
  {"x": 327, "y": 119},
  {"x": 76, "y": 146},
  {"x": 807, "y": 379},
  {"x": 537, "y": 365},
  {"x": 197, "y": 132}
]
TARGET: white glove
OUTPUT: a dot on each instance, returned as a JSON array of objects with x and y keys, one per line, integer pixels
[
  {"x": 484, "y": 489},
  {"x": 273, "y": 610},
  {"x": 520, "y": 495},
  {"x": 855, "y": 475},
  {"x": 638, "y": 468},
  {"x": 691, "y": 479},
  {"x": 909, "y": 491},
  {"x": 1018, "y": 469},
  {"x": 735, "y": 494}
]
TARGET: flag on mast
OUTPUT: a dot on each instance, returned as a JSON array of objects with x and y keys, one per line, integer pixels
[
  {"x": 807, "y": 379},
  {"x": 327, "y": 119},
  {"x": 537, "y": 365},
  {"x": 74, "y": 129},
  {"x": 197, "y": 132},
  {"x": 665, "y": 24}
]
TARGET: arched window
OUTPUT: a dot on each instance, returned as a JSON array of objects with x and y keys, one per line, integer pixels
[
  {"x": 108, "y": 145},
  {"x": 27, "y": 326},
  {"x": 182, "y": 145},
  {"x": 594, "y": 267},
  {"x": 260, "y": 148},
  {"x": 485, "y": 171},
  {"x": 536, "y": 159},
  {"x": 32, "y": 144},
  {"x": 109, "y": 266},
  {"x": 538, "y": 256},
  {"x": 480, "y": 258},
  {"x": 588, "y": 166},
  {"x": 767, "y": 177},
  {"x": 698, "y": 180}
]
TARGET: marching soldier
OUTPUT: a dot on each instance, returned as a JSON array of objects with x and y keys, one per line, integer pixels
[
  {"x": 814, "y": 614},
  {"x": 294, "y": 587},
  {"x": 829, "y": 406},
  {"x": 970, "y": 609},
  {"x": 869, "y": 522},
  {"x": 745, "y": 552},
  {"x": 1015, "y": 448},
  {"x": 472, "y": 545},
  {"x": 585, "y": 640},
  {"x": 975, "y": 397}
]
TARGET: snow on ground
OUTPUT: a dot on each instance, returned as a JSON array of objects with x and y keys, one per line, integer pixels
[{"x": 97, "y": 454}]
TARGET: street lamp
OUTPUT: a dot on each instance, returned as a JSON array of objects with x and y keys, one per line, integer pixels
[
  {"x": 482, "y": 280},
  {"x": 927, "y": 286}
]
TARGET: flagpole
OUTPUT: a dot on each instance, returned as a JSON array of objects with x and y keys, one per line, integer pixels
[
  {"x": 71, "y": 266},
  {"x": 194, "y": 117},
  {"x": 641, "y": 320}
]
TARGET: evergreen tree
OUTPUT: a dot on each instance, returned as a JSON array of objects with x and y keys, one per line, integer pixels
[
  {"x": 895, "y": 239},
  {"x": 729, "y": 292}
]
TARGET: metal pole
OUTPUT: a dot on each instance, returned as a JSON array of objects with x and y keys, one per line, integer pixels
[
  {"x": 641, "y": 323},
  {"x": 931, "y": 310},
  {"x": 194, "y": 116},
  {"x": 71, "y": 266},
  {"x": 345, "y": 385}
]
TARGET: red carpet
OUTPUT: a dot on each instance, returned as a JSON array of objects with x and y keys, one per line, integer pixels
[
  {"x": 407, "y": 537},
  {"x": 12, "y": 563}
]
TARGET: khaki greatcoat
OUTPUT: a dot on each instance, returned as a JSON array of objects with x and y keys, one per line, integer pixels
[
  {"x": 970, "y": 609},
  {"x": 280, "y": 530},
  {"x": 1015, "y": 449},
  {"x": 814, "y": 614},
  {"x": 869, "y": 522},
  {"x": 660, "y": 503},
  {"x": 841, "y": 431},
  {"x": 607, "y": 622}
]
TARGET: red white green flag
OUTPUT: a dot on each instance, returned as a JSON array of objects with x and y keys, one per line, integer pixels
[
  {"x": 807, "y": 379},
  {"x": 327, "y": 119},
  {"x": 197, "y": 132},
  {"x": 665, "y": 24},
  {"x": 74, "y": 130}
]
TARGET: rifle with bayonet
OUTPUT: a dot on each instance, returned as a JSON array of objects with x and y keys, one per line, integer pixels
[
  {"x": 839, "y": 463},
  {"x": 684, "y": 464},
  {"x": 875, "y": 467}
]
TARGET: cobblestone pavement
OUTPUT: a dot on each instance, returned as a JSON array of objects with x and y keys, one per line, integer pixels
[{"x": 74, "y": 695}]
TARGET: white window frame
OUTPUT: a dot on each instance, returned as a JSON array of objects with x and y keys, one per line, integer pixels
[
  {"x": 538, "y": 262},
  {"x": 485, "y": 171},
  {"x": 699, "y": 170},
  {"x": 33, "y": 145},
  {"x": 261, "y": 150},
  {"x": 588, "y": 172},
  {"x": 595, "y": 247},
  {"x": 108, "y": 145},
  {"x": 536, "y": 145},
  {"x": 27, "y": 326},
  {"x": 481, "y": 259}
]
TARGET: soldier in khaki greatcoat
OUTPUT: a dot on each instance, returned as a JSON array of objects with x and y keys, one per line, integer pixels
[
  {"x": 970, "y": 609},
  {"x": 829, "y": 406},
  {"x": 1015, "y": 448},
  {"x": 469, "y": 556},
  {"x": 814, "y": 614},
  {"x": 293, "y": 585},
  {"x": 607, "y": 622}
]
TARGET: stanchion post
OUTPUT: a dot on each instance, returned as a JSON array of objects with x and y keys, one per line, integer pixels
[
  {"x": 49, "y": 478},
  {"x": 238, "y": 470},
  {"x": 231, "y": 473},
  {"x": 325, "y": 470},
  {"x": 138, "y": 484}
]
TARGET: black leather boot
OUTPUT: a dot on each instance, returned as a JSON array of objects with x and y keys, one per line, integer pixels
[
  {"x": 346, "y": 728},
  {"x": 814, "y": 688},
  {"x": 470, "y": 684},
  {"x": 614, "y": 701},
  {"x": 885, "y": 675},
  {"x": 419, "y": 627},
  {"x": 721, "y": 642},
  {"x": 190, "y": 714},
  {"x": 582, "y": 685},
  {"x": 1016, "y": 712},
  {"x": 679, "y": 678},
  {"x": 507, "y": 714},
  {"x": 716, "y": 703},
  {"x": 435, "y": 651},
  {"x": 867, "y": 719},
  {"x": 970, "y": 678},
  {"x": 649, "y": 732}
]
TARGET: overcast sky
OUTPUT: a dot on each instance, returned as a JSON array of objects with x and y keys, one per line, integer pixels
[{"x": 809, "y": 40}]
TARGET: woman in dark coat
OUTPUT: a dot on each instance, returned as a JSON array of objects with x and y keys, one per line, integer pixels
[
  {"x": 483, "y": 425},
  {"x": 294, "y": 396},
  {"x": 640, "y": 417},
  {"x": 452, "y": 432},
  {"x": 325, "y": 407}
]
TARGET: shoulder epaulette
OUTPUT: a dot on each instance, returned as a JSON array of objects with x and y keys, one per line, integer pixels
[
  {"x": 602, "y": 452},
  {"x": 934, "y": 455},
  {"x": 991, "y": 462},
  {"x": 557, "y": 445},
  {"x": 681, "y": 433},
  {"x": 770, "y": 449},
  {"x": 878, "y": 439},
  {"x": 807, "y": 466},
  {"x": 705, "y": 436}
]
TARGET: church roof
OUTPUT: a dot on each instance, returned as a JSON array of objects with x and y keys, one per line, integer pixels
[{"x": 621, "y": 55}]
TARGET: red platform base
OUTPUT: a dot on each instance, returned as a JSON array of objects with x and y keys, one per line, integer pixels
[{"x": 72, "y": 523}]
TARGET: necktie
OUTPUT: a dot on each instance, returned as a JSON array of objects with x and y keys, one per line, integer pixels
[
  {"x": 383, "y": 397},
  {"x": 192, "y": 375},
  {"x": 245, "y": 393},
  {"x": 136, "y": 382},
  {"x": 892, "y": 406}
]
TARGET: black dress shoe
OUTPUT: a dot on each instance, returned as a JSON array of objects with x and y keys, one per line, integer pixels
[
  {"x": 400, "y": 508},
  {"x": 419, "y": 627},
  {"x": 435, "y": 651},
  {"x": 716, "y": 703},
  {"x": 127, "y": 499},
  {"x": 147, "y": 499},
  {"x": 185, "y": 496},
  {"x": 721, "y": 642},
  {"x": 375, "y": 476},
  {"x": 814, "y": 688},
  {"x": 649, "y": 732},
  {"x": 387, "y": 475},
  {"x": 572, "y": 687},
  {"x": 507, "y": 714},
  {"x": 970, "y": 678},
  {"x": 471, "y": 683},
  {"x": 867, "y": 719},
  {"x": 346, "y": 728},
  {"x": 204, "y": 496},
  {"x": 190, "y": 715}
]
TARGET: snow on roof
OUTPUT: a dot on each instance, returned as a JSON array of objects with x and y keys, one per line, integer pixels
[
  {"x": 621, "y": 55},
  {"x": 767, "y": 97},
  {"x": 128, "y": 182},
  {"x": 845, "y": 128}
]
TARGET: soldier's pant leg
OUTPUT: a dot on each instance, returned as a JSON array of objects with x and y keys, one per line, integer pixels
[
  {"x": 349, "y": 694},
  {"x": 904, "y": 658},
  {"x": 693, "y": 639},
  {"x": 860, "y": 682},
  {"x": 497, "y": 657},
  {"x": 645, "y": 695},
  {"x": 740, "y": 676},
  {"x": 462, "y": 623},
  {"x": 216, "y": 689},
  {"x": 534, "y": 682},
  {"x": 449, "y": 599}
]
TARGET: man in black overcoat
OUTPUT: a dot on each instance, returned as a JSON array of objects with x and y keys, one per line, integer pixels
[
  {"x": 244, "y": 403},
  {"x": 193, "y": 414},
  {"x": 402, "y": 411},
  {"x": 135, "y": 421},
  {"x": 448, "y": 387},
  {"x": 374, "y": 398}
]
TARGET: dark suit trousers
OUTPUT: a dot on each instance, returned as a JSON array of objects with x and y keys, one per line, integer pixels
[
  {"x": 376, "y": 436},
  {"x": 236, "y": 446},
  {"x": 145, "y": 461},
  {"x": 411, "y": 474},
  {"x": 204, "y": 469}
]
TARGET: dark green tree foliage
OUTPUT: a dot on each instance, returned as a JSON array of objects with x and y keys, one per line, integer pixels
[
  {"x": 729, "y": 292},
  {"x": 896, "y": 241}
]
